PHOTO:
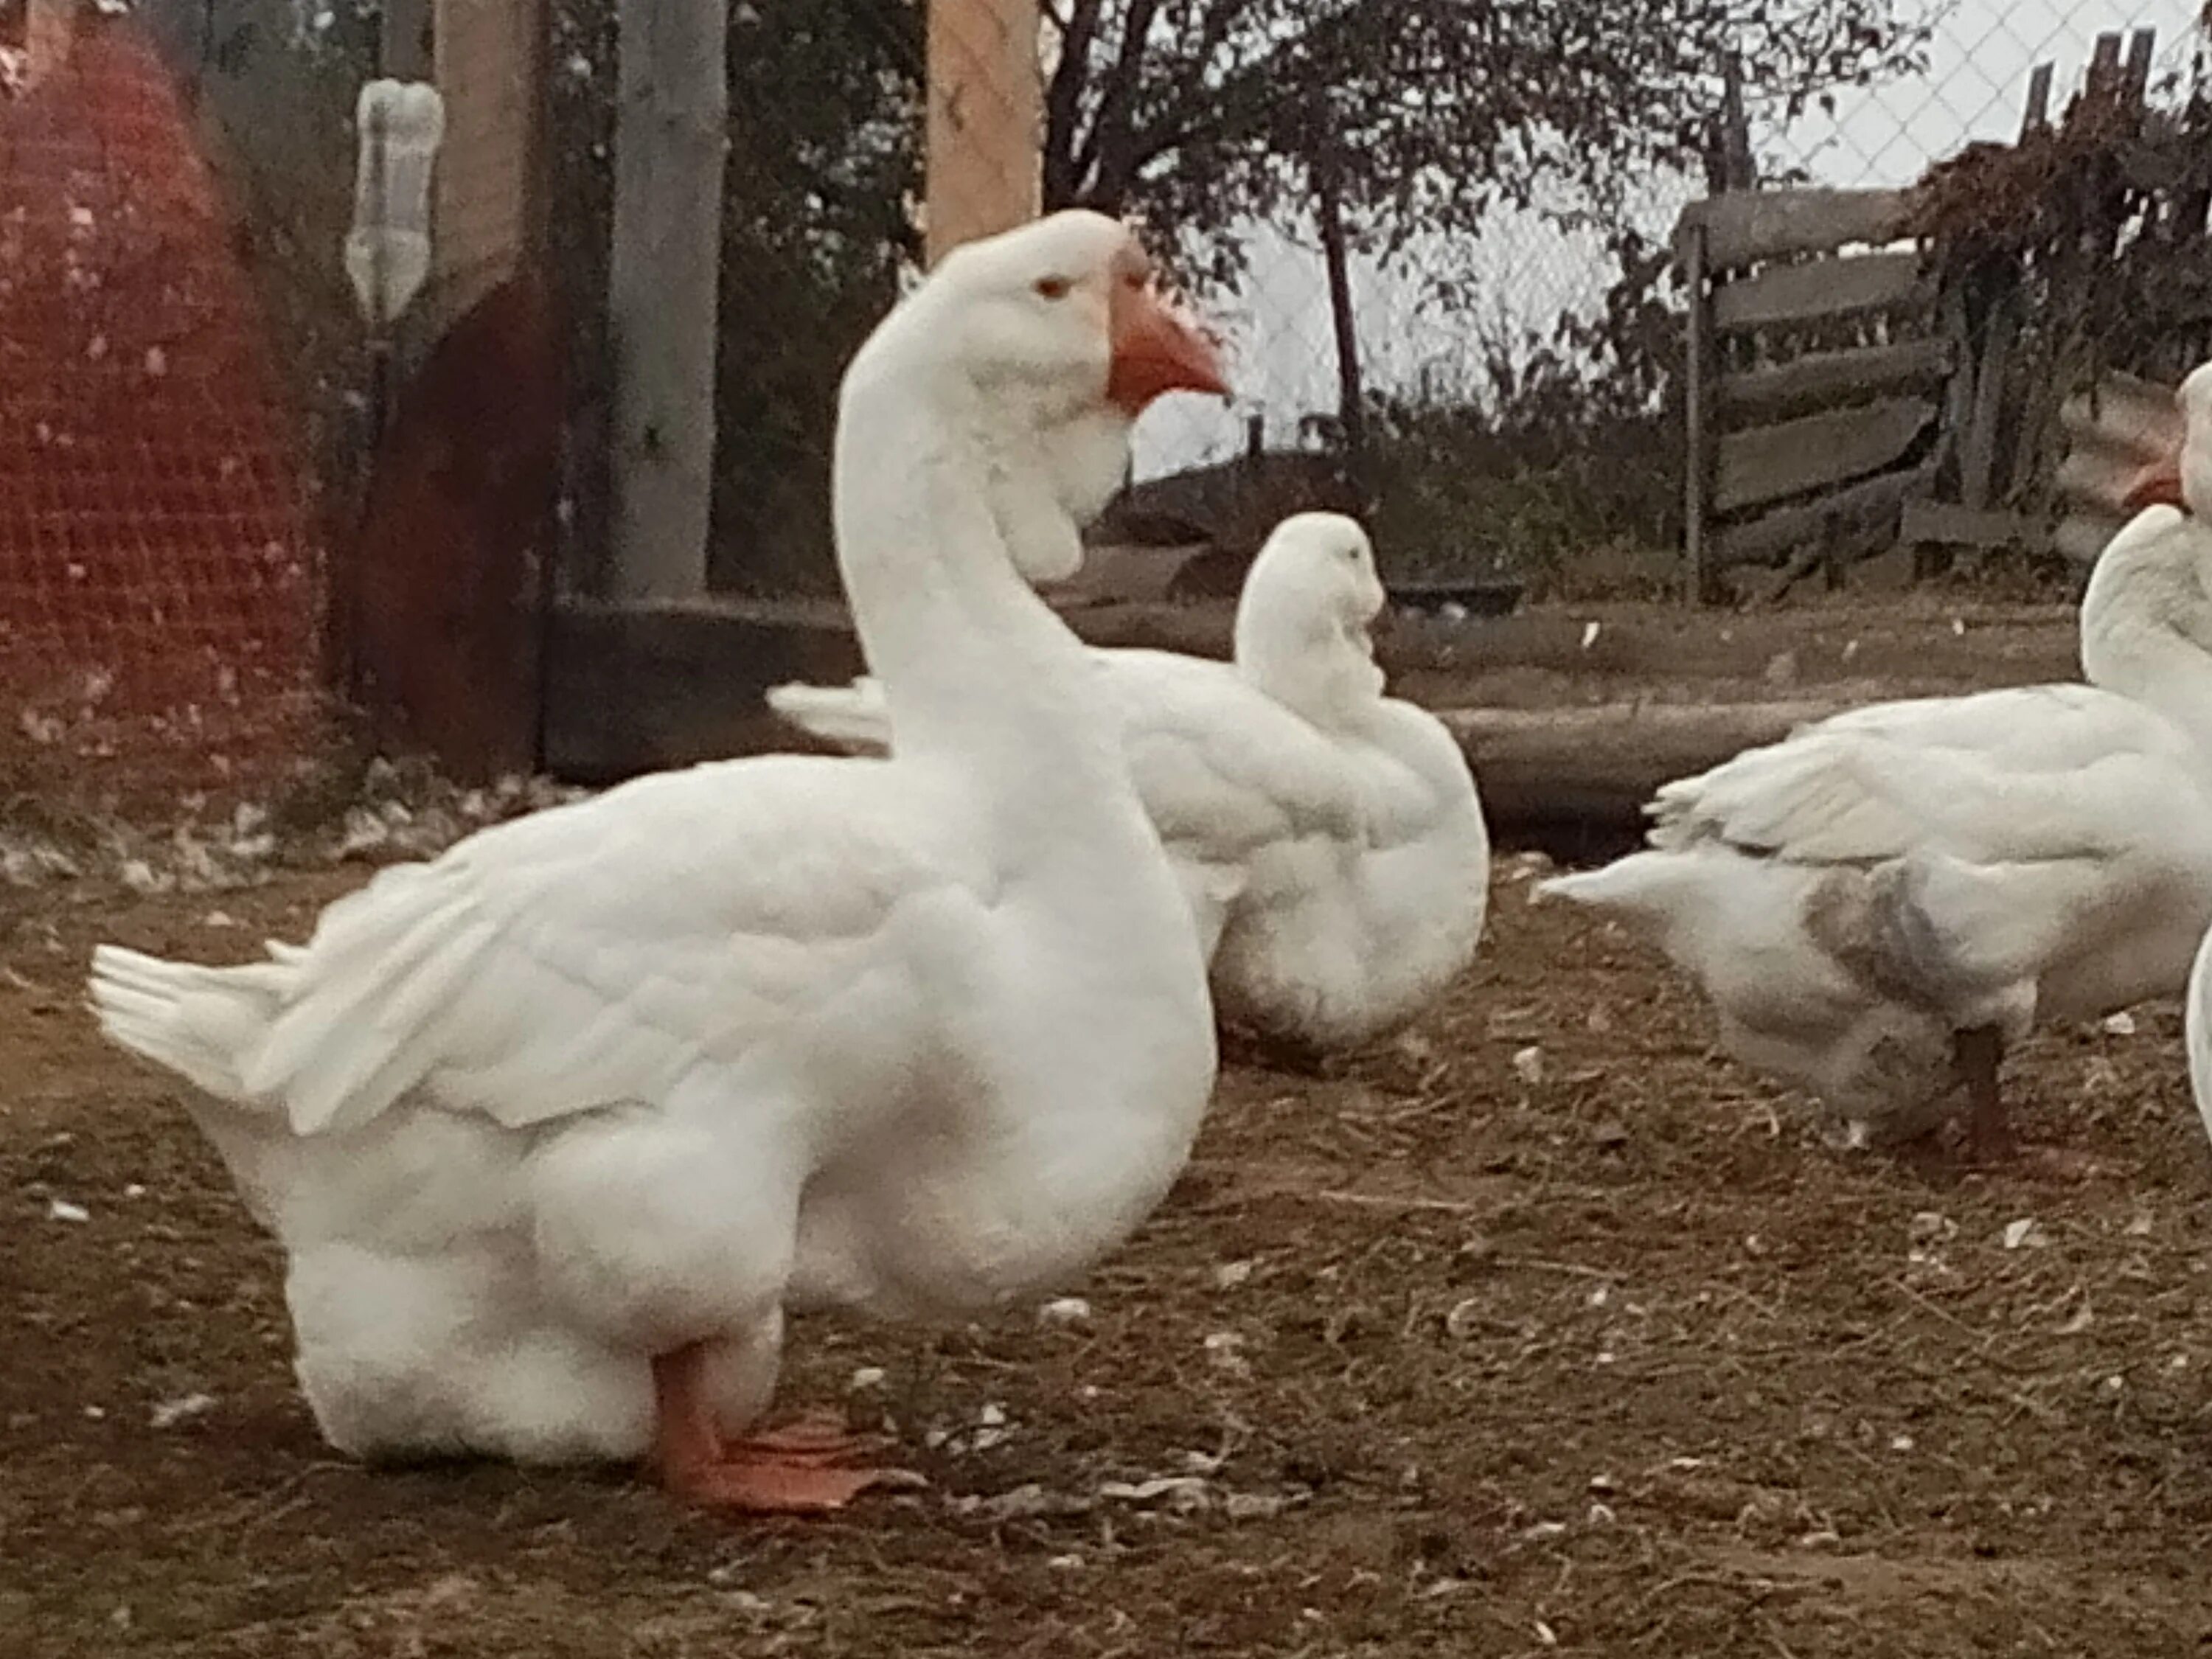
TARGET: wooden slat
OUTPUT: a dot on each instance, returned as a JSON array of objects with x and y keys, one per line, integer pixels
[
  {"x": 1821, "y": 378},
  {"x": 1775, "y": 535},
  {"x": 2142, "y": 47},
  {"x": 1826, "y": 287},
  {"x": 1965, "y": 527},
  {"x": 1770, "y": 462},
  {"x": 2104, "y": 71},
  {"x": 1744, "y": 226},
  {"x": 2036, "y": 114}
]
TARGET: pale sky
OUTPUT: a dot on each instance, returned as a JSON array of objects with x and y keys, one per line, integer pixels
[{"x": 1978, "y": 74}]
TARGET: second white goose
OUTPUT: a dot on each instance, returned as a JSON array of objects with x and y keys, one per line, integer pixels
[{"x": 1330, "y": 838}]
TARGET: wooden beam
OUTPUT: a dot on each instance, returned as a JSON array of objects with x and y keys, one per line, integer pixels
[
  {"x": 1768, "y": 463},
  {"x": 1954, "y": 526},
  {"x": 636, "y": 688},
  {"x": 985, "y": 137},
  {"x": 1824, "y": 289},
  {"x": 1741, "y": 228},
  {"x": 1822, "y": 378},
  {"x": 671, "y": 136},
  {"x": 1597, "y": 766},
  {"x": 1860, "y": 507},
  {"x": 633, "y": 687}
]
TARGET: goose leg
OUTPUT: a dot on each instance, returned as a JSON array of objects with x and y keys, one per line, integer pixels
[
  {"x": 1976, "y": 1053},
  {"x": 789, "y": 1471},
  {"x": 1989, "y": 1138}
]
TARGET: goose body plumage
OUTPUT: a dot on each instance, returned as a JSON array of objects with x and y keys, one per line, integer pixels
[
  {"x": 1856, "y": 897},
  {"x": 640, "y": 1074}
]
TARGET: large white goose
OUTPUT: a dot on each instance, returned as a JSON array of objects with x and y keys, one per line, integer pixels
[
  {"x": 1330, "y": 838},
  {"x": 1879, "y": 904},
  {"x": 555, "y": 1127}
]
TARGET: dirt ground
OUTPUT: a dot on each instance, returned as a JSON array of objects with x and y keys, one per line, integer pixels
[{"x": 1543, "y": 1329}]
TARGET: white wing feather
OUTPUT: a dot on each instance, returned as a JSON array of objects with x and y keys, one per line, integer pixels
[
  {"x": 587, "y": 956},
  {"x": 1222, "y": 767},
  {"x": 2038, "y": 773}
]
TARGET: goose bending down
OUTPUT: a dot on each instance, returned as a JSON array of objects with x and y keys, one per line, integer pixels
[
  {"x": 556, "y": 1127},
  {"x": 1330, "y": 839},
  {"x": 1879, "y": 904}
]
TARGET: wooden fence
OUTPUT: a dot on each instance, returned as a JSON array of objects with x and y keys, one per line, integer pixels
[
  {"x": 1842, "y": 398},
  {"x": 1812, "y": 372}
]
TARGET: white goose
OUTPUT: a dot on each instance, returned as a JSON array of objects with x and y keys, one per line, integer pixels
[
  {"x": 1879, "y": 903},
  {"x": 1330, "y": 839},
  {"x": 555, "y": 1127}
]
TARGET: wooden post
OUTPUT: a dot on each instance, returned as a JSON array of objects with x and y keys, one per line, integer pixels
[
  {"x": 49, "y": 34},
  {"x": 673, "y": 110},
  {"x": 2036, "y": 114},
  {"x": 2103, "y": 76},
  {"x": 1977, "y": 446},
  {"x": 986, "y": 120},
  {"x": 1697, "y": 468}
]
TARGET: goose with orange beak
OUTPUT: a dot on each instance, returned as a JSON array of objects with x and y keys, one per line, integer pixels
[
  {"x": 1883, "y": 903},
  {"x": 557, "y": 1129}
]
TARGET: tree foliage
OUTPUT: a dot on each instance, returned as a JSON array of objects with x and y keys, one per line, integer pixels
[{"x": 1430, "y": 114}]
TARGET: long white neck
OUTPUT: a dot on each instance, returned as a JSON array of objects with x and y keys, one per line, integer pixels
[
  {"x": 932, "y": 499},
  {"x": 2147, "y": 619},
  {"x": 1314, "y": 668}
]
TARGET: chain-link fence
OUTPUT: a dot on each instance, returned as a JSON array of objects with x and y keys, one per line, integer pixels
[
  {"x": 1438, "y": 235},
  {"x": 1520, "y": 370}
]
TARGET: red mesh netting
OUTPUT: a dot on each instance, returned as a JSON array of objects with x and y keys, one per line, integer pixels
[{"x": 160, "y": 580}]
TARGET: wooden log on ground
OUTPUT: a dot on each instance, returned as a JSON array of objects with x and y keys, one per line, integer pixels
[
  {"x": 1544, "y": 769},
  {"x": 630, "y": 689}
]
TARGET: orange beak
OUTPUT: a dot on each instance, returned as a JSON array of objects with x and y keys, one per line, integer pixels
[
  {"x": 1156, "y": 350},
  {"x": 2157, "y": 484}
]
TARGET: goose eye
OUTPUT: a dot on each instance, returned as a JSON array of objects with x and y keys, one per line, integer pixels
[{"x": 1053, "y": 288}]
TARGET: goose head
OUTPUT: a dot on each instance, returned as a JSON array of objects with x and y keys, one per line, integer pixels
[
  {"x": 1303, "y": 620},
  {"x": 1043, "y": 344},
  {"x": 2182, "y": 477},
  {"x": 2146, "y": 616}
]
